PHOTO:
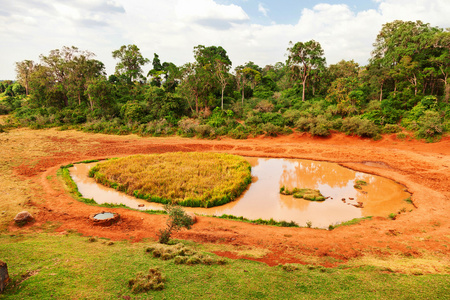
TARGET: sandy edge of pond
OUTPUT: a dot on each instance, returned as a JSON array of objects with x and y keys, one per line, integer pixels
[{"x": 423, "y": 168}]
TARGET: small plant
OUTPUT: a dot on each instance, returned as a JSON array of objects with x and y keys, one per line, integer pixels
[
  {"x": 392, "y": 216},
  {"x": 361, "y": 182},
  {"x": 177, "y": 220},
  {"x": 154, "y": 280},
  {"x": 408, "y": 200},
  {"x": 307, "y": 194}
]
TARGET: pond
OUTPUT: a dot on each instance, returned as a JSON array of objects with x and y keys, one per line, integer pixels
[{"x": 380, "y": 197}]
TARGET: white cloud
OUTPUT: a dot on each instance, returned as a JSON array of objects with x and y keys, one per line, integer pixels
[
  {"x": 172, "y": 28},
  {"x": 263, "y": 9}
]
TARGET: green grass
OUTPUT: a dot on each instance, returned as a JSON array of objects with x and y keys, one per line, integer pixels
[
  {"x": 71, "y": 267},
  {"x": 187, "y": 179}
]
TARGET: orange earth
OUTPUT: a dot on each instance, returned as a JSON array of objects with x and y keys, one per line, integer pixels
[{"x": 424, "y": 168}]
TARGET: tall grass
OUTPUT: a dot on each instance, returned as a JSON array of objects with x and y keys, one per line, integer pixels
[{"x": 187, "y": 179}]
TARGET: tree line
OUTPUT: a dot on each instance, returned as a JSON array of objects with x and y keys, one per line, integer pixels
[{"x": 406, "y": 79}]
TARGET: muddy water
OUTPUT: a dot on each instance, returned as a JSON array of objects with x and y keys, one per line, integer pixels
[{"x": 379, "y": 197}]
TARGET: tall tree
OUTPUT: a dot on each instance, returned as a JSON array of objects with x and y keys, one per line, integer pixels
[
  {"x": 302, "y": 59},
  {"x": 130, "y": 62},
  {"x": 24, "y": 70},
  {"x": 246, "y": 76}
]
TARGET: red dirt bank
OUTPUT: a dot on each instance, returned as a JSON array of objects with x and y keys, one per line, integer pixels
[{"x": 422, "y": 167}]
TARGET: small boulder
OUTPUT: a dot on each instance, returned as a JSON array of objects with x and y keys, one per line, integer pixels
[
  {"x": 23, "y": 217},
  {"x": 4, "y": 276}
]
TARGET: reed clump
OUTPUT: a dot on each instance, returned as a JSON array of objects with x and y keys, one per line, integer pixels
[
  {"x": 192, "y": 179},
  {"x": 307, "y": 194}
]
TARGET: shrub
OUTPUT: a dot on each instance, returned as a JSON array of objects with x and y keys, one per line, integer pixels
[
  {"x": 274, "y": 118},
  {"x": 154, "y": 280},
  {"x": 177, "y": 220},
  {"x": 271, "y": 130},
  {"x": 291, "y": 116},
  {"x": 391, "y": 128},
  {"x": 205, "y": 131},
  {"x": 361, "y": 127},
  {"x": 264, "y": 106},
  {"x": 187, "y": 126},
  {"x": 429, "y": 125},
  {"x": 239, "y": 132}
]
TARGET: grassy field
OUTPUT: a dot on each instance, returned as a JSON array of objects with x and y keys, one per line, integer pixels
[
  {"x": 73, "y": 267},
  {"x": 188, "y": 179}
]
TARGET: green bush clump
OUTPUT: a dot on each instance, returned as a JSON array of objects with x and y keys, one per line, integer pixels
[
  {"x": 271, "y": 129},
  {"x": 360, "y": 127},
  {"x": 205, "y": 131},
  {"x": 429, "y": 125},
  {"x": 307, "y": 194},
  {"x": 391, "y": 128},
  {"x": 153, "y": 280},
  {"x": 316, "y": 126}
]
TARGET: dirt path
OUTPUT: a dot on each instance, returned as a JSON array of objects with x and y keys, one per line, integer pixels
[{"x": 33, "y": 157}]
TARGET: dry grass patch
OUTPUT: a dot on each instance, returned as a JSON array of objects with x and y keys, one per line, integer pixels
[
  {"x": 426, "y": 264},
  {"x": 183, "y": 178}
]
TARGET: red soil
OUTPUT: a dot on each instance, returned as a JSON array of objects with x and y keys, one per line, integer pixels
[{"x": 422, "y": 167}]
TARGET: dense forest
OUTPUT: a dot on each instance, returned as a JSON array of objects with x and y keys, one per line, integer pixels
[{"x": 404, "y": 89}]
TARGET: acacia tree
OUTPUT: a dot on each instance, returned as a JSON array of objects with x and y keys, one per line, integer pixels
[
  {"x": 24, "y": 70},
  {"x": 302, "y": 59},
  {"x": 130, "y": 62}
]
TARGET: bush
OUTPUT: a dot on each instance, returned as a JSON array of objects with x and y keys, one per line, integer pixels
[
  {"x": 274, "y": 118},
  {"x": 187, "y": 126},
  {"x": 291, "y": 116},
  {"x": 360, "y": 127},
  {"x": 177, "y": 220},
  {"x": 154, "y": 280},
  {"x": 205, "y": 131},
  {"x": 391, "y": 128},
  {"x": 429, "y": 125},
  {"x": 239, "y": 133},
  {"x": 264, "y": 106},
  {"x": 271, "y": 130}
]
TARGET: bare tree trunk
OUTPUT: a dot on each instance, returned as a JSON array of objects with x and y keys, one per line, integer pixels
[{"x": 381, "y": 91}]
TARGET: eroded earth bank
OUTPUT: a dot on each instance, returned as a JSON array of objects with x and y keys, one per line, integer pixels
[{"x": 31, "y": 158}]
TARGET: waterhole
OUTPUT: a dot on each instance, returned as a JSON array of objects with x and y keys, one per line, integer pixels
[
  {"x": 379, "y": 197},
  {"x": 104, "y": 216}
]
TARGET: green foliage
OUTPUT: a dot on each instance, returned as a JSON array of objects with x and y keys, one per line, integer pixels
[
  {"x": 177, "y": 220},
  {"x": 271, "y": 222},
  {"x": 429, "y": 125},
  {"x": 360, "y": 127}
]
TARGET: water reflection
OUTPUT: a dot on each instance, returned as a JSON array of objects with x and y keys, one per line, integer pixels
[{"x": 262, "y": 199}]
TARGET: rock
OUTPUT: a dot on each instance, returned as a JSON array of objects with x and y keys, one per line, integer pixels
[
  {"x": 4, "y": 276},
  {"x": 23, "y": 218}
]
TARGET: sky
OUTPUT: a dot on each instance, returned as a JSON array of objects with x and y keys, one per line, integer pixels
[{"x": 249, "y": 30}]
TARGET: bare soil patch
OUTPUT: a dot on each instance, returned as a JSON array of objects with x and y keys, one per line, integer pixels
[{"x": 30, "y": 160}]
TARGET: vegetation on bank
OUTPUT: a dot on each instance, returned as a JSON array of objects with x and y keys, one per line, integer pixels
[
  {"x": 405, "y": 86},
  {"x": 185, "y": 178}
]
